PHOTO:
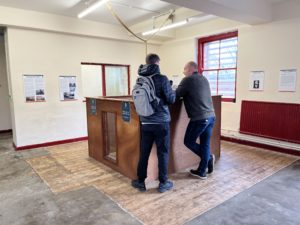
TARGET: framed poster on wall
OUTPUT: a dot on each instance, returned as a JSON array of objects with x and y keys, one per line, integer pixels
[
  {"x": 34, "y": 88},
  {"x": 287, "y": 80},
  {"x": 256, "y": 80},
  {"x": 68, "y": 88}
]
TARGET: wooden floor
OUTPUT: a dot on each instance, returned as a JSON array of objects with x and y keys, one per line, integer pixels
[{"x": 68, "y": 167}]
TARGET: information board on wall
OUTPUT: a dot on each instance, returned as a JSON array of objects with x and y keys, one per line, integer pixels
[
  {"x": 68, "y": 88},
  {"x": 287, "y": 80},
  {"x": 34, "y": 88},
  {"x": 256, "y": 80},
  {"x": 175, "y": 81}
]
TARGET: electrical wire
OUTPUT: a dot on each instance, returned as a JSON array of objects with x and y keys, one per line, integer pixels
[{"x": 130, "y": 31}]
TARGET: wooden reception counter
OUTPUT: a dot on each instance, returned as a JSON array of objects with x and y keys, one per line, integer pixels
[{"x": 114, "y": 135}]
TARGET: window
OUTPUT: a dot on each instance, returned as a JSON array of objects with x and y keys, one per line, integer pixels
[
  {"x": 99, "y": 79},
  {"x": 116, "y": 80},
  {"x": 217, "y": 59}
]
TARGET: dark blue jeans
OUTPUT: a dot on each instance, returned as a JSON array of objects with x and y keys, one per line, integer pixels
[
  {"x": 160, "y": 133},
  {"x": 202, "y": 129}
]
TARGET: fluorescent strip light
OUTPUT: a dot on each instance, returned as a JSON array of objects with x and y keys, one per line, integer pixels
[
  {"x": 91, "y": 8},
  {"x": 170, "y": 26},
  {"x": 202, "y": 18}
]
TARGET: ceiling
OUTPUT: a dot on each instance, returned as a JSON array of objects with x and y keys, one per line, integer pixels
[
  {"x": 131, "y": 11},
  {"x": 136, "y": 11},
  {"x": 246, "y": 11},
  {"x": 274, "y": 1}
]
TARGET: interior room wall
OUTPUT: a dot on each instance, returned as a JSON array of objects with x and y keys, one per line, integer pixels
[
  {"x": 54, "y": 54},
  {"x": 268, "y": 47},
  {"x": 5, "y": 118}
]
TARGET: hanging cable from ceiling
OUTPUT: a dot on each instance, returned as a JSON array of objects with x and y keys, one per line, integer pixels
[{"x": 170, "y": 16}]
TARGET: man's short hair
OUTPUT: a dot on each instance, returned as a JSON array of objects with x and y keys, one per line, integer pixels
[
  {"x": 152, "y": 58},
  {"x": 193, "y": 65}
]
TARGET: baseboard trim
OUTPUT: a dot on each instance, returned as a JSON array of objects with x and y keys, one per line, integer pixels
[
  {"x": 259, "y": 145},
  {"x": 5, "y": 131},
  {"x": 47, "y": 144}
]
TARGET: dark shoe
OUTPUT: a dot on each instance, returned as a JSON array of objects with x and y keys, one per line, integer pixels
[
  {"x": 211, "y": 164},
  {"x": 139, "y": 185},
  {"x": 168, "y": 185},
  {"x": 196, "y": 173}
]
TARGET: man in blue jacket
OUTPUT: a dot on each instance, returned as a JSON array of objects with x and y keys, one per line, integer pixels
[
  {"x": 195, "y": 90},
  {"x": 156, "y": 127}
]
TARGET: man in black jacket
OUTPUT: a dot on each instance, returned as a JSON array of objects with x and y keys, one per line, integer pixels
[
  {"x": 156, "y": 127},
  {"x": 195, "y": 90}
]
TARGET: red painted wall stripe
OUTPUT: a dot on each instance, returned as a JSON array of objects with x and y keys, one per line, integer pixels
[{"x": 26, "y": 147}]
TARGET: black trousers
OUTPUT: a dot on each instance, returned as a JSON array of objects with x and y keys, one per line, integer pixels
[{"x": 160, "y": 134}]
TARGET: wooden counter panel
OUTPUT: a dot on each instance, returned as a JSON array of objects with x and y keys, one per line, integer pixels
[
  {"x": 215, "y": 143},
  {"x": 128, "y": 138},
  {"x": 180, "y": 156},
  {"x": 94, "y": 129}
]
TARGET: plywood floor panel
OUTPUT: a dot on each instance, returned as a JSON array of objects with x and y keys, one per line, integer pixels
[{"x": 68, "y": 167}]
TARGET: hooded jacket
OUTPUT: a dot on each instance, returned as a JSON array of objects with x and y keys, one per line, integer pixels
[{"x": 163, "y": 91}]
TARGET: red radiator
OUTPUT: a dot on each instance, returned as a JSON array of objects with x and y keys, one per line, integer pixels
[{"x": 279, "y": 121}]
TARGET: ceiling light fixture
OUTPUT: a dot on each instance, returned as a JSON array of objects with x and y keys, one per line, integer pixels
[
  {"x": 170, "y": 26},
  {"x": 91, "y": 8}
]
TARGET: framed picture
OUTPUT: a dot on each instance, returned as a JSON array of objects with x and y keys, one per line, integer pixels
[
  {"x": 287, "y": 80},
  {"x": 34, "y": 88},
  {"x": 256, "y": 82},
  {"x": 68, "y": 88}
]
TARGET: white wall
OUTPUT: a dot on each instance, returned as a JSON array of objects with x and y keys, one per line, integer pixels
[
  {"x": 268, "y": 47},
  {"x": 54, "y": 54},
  {"x": 5, "y": 119}
]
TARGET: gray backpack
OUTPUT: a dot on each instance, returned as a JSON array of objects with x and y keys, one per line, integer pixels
[{"x": 144, "y": 97}]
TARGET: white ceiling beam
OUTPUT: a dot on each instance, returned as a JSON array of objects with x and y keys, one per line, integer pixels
[
  {"x": 286, "y": 10},
  {"x": 179, "y": 15},
  {"x": 245, "y": 11},
  {"x": 31, "y": 20}
]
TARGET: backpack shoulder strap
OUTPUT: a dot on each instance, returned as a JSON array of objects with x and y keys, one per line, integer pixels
[
  {"x": 153, "y": 85},
  {"x": 147, "y": 79},
  {"x": 151, "y": 81}
]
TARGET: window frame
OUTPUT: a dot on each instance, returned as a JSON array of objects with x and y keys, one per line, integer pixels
[
  {"x": 103, "y": 65},
  {"x": 218, "y": 37}
]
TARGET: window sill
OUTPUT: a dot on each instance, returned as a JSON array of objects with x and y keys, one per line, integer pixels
[{"x": 233, "y": 100}]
